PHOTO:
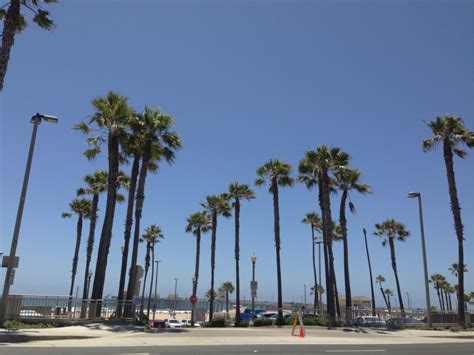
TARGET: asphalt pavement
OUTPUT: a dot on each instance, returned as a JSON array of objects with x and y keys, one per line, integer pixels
[{"x": 418, "y": 349}]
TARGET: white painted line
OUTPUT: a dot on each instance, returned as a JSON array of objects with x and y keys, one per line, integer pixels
[{"x": 357, "y": 351}]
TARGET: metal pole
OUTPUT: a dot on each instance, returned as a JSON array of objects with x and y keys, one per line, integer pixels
[
  {"x": 156, "y": 287},
  {"x": 175, "y": 294},
  {"x": 425, "y": 264},
  {"x": 16, "y": 232},
  {"x": 193, "y": 304},
  {"x": 305, "y": 296},
  {"x": 253, "y": 298},
  {"x": 370, "y": 272}
]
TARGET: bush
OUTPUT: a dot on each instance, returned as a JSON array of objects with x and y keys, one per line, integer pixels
[
  {"x": 263, "y": 322},
  {"x": 241, "y": 324},
  {"x": 455, "y": 329},
  {"x": 218, "y": 323},
  {"x": 281, "y": 321},
  {"x": 14, "y": 324}
]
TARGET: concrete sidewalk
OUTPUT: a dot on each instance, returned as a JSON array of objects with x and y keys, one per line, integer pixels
[{"x": 99, "y": 335}]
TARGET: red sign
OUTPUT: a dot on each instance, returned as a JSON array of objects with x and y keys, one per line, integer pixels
[{"x": 193, "y": 299}]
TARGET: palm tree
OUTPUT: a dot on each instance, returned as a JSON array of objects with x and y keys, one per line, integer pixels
[
  {"x": 238, "y": 192},
  {"x": 152, "y": 235},
  {"x": 450, "y": 290},
  {"x": 197, "y": 223},
  {"x": 454, "y": 268},
  {"x": 314, "y": 220},
  {"x": 214, "y": 206},
  {"x": 277, "y": 173},
  {"x": 110, "y": 121},
  {"x": 380, "y": 279},
  {"x": 315, "y": 170},
  {"x": 388, "y": 293},
  {"x": 96, "y": 184},
  {"x": 14, "y": 22},
  {"x": 227, "y": 287},
  {"x": 210, "y": 294},
  {"x": 82, "y": 208},
  {"x": 159, "y": 142},
  {"x": 347, "y": 180},
  {"x": 452, "y": 134},
  {"x": 437, "y": 280},
  {"x": 393, "y": 230}
]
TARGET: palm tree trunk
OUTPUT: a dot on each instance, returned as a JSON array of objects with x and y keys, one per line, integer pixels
[
  {"x": 446, "y": 300},
  {"x": 276, "y": 226},
  {"x": 347, "y": 281},
  {"x": 450, "y": 304},
  {"x": 394, "y": 267},
  {"x": 106, "y": 234},
  {"x": 75, "y": 260},
  {"x": 132, "y": 279},
  {"x": 325, "y": 205},
  {"x": 10, "y": 25},
  {"x": 443, "y": 307},
  {"x": 90, "y": 248},
  {"x": 456, "y": 209},
  {"x": 237, "y": 258},
  {"x": 196, "y": 267},
  {"x": 127, "y": 234},
  {"x": 213, "y": 263},
  {"x": 389, "y": 305},
  {"x": 152, "y": 248},
  {"x": 336, "y": 293},
  {"x": 227, "y": 303},
  {"x": 383, "y": 295},
  {"x": 313, "y": 242},
  {"x": 147, "y": 265},
  {"x": 439, "y": 296}
]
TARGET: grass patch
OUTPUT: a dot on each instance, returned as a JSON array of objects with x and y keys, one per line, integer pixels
[{"x": 14, "y": 324}]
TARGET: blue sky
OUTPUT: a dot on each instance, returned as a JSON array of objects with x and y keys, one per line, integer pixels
[{"x": 245, "y": 81}]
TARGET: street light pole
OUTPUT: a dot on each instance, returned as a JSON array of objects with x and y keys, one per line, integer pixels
[
  {"x": 35, "y": 120},
  {"x": 175, "y": 295},
  {"x": 157, "y": 262},
  {"x": 425, "y": 263},
  {"x": 254, "y": 260},
  {"x": 305, "y": 296},
  {"x": 320, "y": 279}
]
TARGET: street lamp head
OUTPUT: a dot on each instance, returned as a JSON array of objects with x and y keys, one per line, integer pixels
[
  {"x": 47, "y": 118},
  {"x": 253, "y": 258},
  {"x": 90, "y": 273},
  {"x": 413, "y": 194}
]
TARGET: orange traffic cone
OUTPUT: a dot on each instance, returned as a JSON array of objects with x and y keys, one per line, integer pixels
[{"x": 301, "y": 334}]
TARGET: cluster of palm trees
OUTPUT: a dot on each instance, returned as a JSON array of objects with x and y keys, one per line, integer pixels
[
  {"x": 444, "y": 289},
  {"x": 146, "y": 139},
  {"x": 328, "y": 170}
]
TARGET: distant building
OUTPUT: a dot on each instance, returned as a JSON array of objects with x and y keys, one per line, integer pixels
[{"x": 360, "y": 302}]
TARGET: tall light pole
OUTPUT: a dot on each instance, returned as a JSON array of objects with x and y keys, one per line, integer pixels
[
  {"x": 157, "y": 262},
  {"x": 370, "y": 273},
  {"x": 175, "y": 294},
  {"x": 253, "y": 258},
  {"x": 12, "y": 259},
  {"x": 425, "y": 263},
  {"x": 408, "y": 301},
  {"x": 305, "y": 296}
]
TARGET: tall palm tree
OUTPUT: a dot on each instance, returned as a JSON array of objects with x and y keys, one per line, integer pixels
[
  {"x": 14, "y": 22},
  {"x": 228, "y": 288},
  {"x": 388, "y": 293},
  {"x": 347, "y": 180},
  {"x": 152, "y": 235},
  {"x": 452, "y": 134},
  {"x": 315, "y": 170},
  {"x": 314, "y": 220},
  {"x": 444, "y": 286},
  {"x": 380, "y": 279},
  {"x": 197, "y": 223},
  {"x": 437, "y": 280},
  {"x": 159, "y": 142},
  {"x": 96, "y": 184},
  {"x": 215, "y": 205},
  {"x": 82, "y": 208},
  {"x": 393, "y": 230},
  {"x": 238, "y": 192},
  {"x": 277, "y": 173},
  {"x": 107, "y": 125}
]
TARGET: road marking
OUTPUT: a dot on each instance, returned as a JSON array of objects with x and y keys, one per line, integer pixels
[{"x": 357, "y": 351}]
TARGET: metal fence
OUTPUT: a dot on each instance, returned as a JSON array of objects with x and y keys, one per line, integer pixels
[{"x": 63, "y": 308}]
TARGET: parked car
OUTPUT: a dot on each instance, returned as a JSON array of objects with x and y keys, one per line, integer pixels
[
  {"x": 29, "y": 313},
  {"x": 369, "y": 321},
  {"x": 403, "y": 322},
  {"x": 187, "y": 322},
  {"x": 267, "y": 315},
  {"x": 246, "y": 315},
  {"x": 174, "y": 323}
]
